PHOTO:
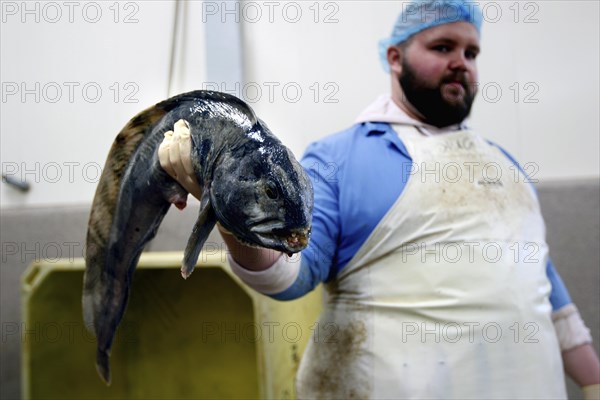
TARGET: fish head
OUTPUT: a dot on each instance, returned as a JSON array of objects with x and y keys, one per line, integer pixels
[{"x": 264, "y": 197}]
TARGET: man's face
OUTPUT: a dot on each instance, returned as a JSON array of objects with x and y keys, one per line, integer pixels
[{"x": 438, "y": 73}]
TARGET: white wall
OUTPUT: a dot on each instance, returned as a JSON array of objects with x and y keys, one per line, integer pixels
[
  {"x": 327, "y": 51},
  {"x": 558, "y": 57},
  {"x": 72, "y": 75}
]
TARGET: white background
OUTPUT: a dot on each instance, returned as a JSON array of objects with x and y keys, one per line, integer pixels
[{"x": 308, "y": 69}]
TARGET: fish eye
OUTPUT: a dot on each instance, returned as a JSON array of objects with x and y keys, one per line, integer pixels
[{"x": 271, "y": 191}]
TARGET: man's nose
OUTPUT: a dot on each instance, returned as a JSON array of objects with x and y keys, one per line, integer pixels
[{"x": 458, "y": 61}]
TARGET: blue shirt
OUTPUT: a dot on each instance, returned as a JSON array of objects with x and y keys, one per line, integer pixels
[{"x": 357, "y": 176}]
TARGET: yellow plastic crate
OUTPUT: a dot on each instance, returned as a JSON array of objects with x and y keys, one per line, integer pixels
[{"x": 206, "y": 337}]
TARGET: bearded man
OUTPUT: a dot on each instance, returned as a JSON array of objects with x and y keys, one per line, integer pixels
[{"x": 431, "y": 248}]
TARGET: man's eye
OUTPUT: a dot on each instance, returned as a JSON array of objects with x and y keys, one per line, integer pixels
[
  {"x": 470, "y": 55},
  {"x": 442, "y": 48}
]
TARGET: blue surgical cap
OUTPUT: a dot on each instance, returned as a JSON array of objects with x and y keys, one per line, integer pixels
[{"x": 419, "y": 15}]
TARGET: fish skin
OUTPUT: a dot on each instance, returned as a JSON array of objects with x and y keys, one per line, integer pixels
[{"x": 252, "y": 185}]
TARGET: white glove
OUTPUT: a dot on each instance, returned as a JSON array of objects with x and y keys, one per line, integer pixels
[{"x": 175, "y": 157}]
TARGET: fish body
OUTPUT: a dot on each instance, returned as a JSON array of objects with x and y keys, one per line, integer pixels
[{"x": 250, "y": 183}]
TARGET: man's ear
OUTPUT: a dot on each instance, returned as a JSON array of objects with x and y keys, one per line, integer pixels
[{"x": 394, "y": 58}]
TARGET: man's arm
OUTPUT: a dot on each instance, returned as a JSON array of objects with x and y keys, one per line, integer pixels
[
  {"x": 579, "y": 357},
  {"x": 250, "y": 258},
  {"x": 582, "y": 365}
]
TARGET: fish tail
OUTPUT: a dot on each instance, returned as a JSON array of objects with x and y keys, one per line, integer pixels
[
  {"x": 109, "y": 261},
  {"x": 103, "y": 366},
  {"x": 104, "y": 205}
]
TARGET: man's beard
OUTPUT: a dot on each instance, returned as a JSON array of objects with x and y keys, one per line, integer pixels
[{"x": 430, "y": 102}]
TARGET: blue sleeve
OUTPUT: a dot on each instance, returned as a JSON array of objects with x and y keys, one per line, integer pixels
[
  {"x": 559, "y": 296},
  {"x": 317, "y": 259}
]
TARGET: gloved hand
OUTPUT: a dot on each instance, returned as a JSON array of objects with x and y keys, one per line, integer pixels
[
  {"x": 591, "y": 392},
  {"x": 175, "y": 157}
]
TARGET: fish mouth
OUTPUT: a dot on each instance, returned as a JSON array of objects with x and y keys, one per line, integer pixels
[
  {"x": 298, "y": 239},
  {"x": 284, "y": 240}
]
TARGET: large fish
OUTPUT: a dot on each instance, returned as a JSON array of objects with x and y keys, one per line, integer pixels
[{"x": 249, "y": 182}]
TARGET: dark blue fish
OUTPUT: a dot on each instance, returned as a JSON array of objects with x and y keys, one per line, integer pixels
[{"x": 251, "y": 183}]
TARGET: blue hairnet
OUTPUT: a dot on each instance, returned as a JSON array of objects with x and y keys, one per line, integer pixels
[{"x": 419, "y": 15}]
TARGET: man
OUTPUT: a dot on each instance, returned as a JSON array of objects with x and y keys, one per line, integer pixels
[{"x": 437, "y": 270}]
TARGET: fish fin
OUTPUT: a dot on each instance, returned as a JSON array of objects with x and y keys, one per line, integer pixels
[
  {"x": 204, "y": 224},
  {"x": 103, "y": 366}
]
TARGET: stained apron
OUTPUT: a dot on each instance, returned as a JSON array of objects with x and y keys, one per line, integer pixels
[{"x": 448, "y": 297}]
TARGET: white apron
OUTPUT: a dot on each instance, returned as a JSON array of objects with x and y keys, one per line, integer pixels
[{"x": 448, "y": 297}]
